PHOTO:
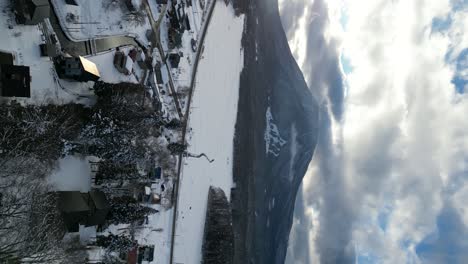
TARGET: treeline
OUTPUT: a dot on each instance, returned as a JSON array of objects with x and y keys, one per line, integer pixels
[
  {"x": 121, "y": 129},
  {"x": 218, "y": 240}
]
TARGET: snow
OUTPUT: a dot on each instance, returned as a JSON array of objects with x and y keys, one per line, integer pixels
[
  {"x": 100, "y": 19},
  {"x": 72, "y": 174},
  {"x": 212, "y": 119},
  {"x": 273, "y": 140}
]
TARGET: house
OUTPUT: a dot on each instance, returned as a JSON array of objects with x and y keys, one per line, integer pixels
[
  {"x": 174, "y": 60},
  {"x": 31, "y": 12},
  {"x": 15, "y": 81},
  {"x": 88, "y": 209},
  {"x": 76, "y": 68}
]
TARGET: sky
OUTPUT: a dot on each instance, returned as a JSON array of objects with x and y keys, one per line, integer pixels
[{"x": 389, "y": 177}]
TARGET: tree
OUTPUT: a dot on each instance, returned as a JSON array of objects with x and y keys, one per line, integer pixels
[
  {"x": 177, "y": 148},
  {"x": 117, "y": 243},
  {"x": 40, "y": 131},
  {"x": 110, "y": 172},
  {"x": 126, "y": 210},
  {"x": 30, "y": 224}
]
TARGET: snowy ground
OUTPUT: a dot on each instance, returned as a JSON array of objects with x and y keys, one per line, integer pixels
[
  {"x": 100, "y": 19},
  {"x": 212, "y": 119}
]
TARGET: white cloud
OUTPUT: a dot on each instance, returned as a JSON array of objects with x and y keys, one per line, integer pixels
[{"x": 403, "y": 142}]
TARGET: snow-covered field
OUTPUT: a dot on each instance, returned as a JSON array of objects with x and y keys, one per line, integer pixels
[{"x": 212, "y": 119}]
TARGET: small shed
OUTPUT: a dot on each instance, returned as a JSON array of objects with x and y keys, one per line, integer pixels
[
  {"x": 6, "y": 58},
  {"x": 174, "y": 59},
  {"x": 120, "y": 60},
  {"x": 76, "y": 68},
  {"x": 145, "y": 253},
  {"x": 31, "y": 12},
  {"x": 15, "y": 81}
]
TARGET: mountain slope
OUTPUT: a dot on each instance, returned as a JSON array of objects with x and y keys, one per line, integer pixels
[{"x": 276, "y": 133}]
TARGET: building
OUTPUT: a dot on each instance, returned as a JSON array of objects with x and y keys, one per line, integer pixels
[
  {"x": 15, "y": 81},
  {"x": 174, "y": 60},
  {"x": 76, "y": 68},
  {"x": 161, "y": 2},
  {"x": 88, "y": 209},
  {"x": 31, "y": 12}
]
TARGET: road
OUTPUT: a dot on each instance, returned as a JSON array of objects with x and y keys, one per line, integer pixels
[
  {"x": 185, "y": 123},
  {"x": 156, "y": 40}
]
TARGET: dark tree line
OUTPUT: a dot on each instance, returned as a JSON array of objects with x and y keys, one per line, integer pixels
[{"x": 39, "y": 131}]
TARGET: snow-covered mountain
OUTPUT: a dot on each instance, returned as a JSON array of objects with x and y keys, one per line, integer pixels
[{"x": 276, "y": 134}]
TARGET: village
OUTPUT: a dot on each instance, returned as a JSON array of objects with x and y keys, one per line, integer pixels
[{"x": 95, "y": 97}]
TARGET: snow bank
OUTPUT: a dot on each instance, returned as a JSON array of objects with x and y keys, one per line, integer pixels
[
  {"x": 72, "y": 174},
  {"x": 212, "y": 119},
  {"x": 105, "y": 63},
  {"x": 273, "y": 140}
]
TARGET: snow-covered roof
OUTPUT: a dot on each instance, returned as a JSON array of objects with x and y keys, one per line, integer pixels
[{"x": 129, "y": 64}]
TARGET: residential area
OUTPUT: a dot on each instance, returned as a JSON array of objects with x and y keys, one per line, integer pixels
[{"x": 95, "y": 100}]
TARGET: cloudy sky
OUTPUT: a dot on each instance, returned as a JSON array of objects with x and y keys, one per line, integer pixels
[{"x": 389, "y": 178}]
